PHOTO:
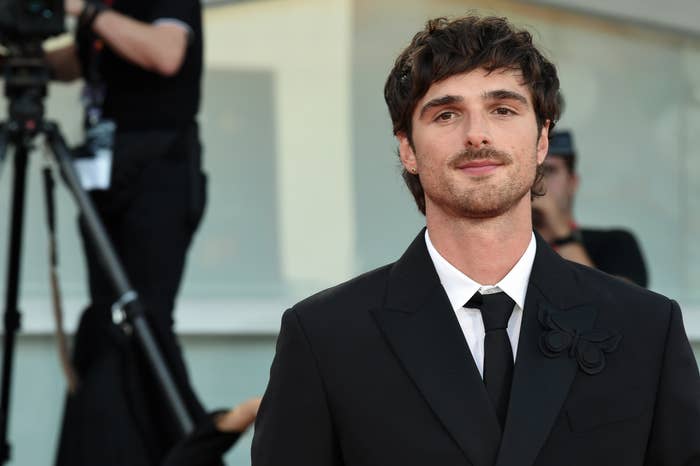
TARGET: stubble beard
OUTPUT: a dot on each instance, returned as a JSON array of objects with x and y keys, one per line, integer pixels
[{"x": 490, "y": 198}]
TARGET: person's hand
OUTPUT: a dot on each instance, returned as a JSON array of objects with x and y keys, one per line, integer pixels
[
  {"x": 74, "y": 7},
  {"x": 239, "y": 418}
]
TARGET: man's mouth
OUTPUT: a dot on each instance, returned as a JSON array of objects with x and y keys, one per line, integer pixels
[{"x": 479, "y": 167}]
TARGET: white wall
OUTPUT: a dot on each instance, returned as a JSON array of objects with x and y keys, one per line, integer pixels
[{"x": 672, "y": 14}]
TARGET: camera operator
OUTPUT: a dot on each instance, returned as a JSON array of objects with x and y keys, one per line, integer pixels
[{"x": 142, "y": 64}]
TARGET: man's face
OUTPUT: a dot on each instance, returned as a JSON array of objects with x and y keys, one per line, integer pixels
[
  {"x": 475, "y": 144},
  {"x": 561, "y": 184}
]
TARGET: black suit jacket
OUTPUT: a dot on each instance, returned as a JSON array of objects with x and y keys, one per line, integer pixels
[{"x": 376, "y": 371}]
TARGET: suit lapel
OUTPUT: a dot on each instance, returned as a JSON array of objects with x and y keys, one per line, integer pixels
[
  {"x": 418, "y": 322},
  {"x": 541, "y": 384}
]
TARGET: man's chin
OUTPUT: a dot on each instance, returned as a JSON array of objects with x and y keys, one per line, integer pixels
[
  {"x": 476, "y": 210},
  {"x": 490, "y": 207},
  {"x": 484, "y": 212},
  {"x": 478, "y": 205}
]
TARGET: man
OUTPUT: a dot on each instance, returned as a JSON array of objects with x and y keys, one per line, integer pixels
[
  {"x": 394, "y": 366},
  {"x": 613, "y": 251},
  {"x": 142, "y": 62}
]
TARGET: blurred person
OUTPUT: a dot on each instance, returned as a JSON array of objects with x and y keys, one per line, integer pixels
[
  {"x": 142, "y": 65},
  {"x": 616, "y": 252},
  {"x": 480, "y": 345},
  {"x": 210, "y": 441}
]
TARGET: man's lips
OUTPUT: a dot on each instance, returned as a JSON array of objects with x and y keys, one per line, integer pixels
[{"x": 479, "y": 167}]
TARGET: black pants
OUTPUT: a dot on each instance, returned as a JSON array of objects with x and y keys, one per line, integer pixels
[{"x": 151, "y": 211}]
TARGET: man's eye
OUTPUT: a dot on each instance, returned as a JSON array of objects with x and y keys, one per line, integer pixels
[
  {"x": 445, "y": 116},
  {"x": 504, "y": 111}
]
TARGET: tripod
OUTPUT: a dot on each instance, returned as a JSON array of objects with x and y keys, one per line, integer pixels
[{"x": 26, "y": 78}]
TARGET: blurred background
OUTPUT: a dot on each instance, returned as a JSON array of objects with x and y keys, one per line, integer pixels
[{"x": 304, "y": 184}]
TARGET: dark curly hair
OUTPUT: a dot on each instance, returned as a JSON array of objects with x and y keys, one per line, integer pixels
[{"x": 449, "y": 47}]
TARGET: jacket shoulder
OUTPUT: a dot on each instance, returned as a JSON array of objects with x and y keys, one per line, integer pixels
[
  {"x": 364, "y": 292},
  {"x": 619, "y": 290}
]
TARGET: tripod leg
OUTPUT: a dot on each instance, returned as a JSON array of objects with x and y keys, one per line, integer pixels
[
  {"x": 4, "y": 140},
  {"x": 128, "y": 302},
  {"x": 12, "y": 315}
]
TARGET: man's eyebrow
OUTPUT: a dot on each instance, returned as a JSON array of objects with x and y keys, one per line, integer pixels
[
  {"x": 503, "y": 94},
  {"x": 439, "y": 102}
]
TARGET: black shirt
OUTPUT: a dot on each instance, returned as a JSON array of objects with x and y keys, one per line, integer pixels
[
  {"x": 140, "y": 99},
  {"x": 616, "y": 252}
]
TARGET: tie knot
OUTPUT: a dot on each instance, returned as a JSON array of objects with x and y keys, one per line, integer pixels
[{"x": 495, "y": 308}]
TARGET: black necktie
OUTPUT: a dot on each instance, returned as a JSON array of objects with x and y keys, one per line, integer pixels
[{"x": 496, "y": 309}]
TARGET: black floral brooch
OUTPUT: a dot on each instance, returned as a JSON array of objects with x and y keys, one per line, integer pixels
[{"x": 563, "y": 335}]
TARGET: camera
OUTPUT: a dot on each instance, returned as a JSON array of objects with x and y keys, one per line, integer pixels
[
  {"x": 24, "y": 25},
  {"x": 24, "y": 21}
]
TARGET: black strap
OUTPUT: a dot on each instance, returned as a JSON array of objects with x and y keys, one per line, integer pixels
[{"x": 63, "y": 353}]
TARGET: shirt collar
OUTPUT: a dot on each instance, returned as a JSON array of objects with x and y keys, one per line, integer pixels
[{"x": 459, "y": 287}]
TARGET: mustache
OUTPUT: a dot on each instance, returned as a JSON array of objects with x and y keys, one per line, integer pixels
[{"x": 471, "y": 154}]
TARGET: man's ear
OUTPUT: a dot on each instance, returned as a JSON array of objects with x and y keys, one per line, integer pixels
[
  {"x": 543, "y": 143},
  {"x": 406, "y": 153}
]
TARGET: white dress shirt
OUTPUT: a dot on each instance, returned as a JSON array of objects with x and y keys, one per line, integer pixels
[{"x": 460, "y": 288}]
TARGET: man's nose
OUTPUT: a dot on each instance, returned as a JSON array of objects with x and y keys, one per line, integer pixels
[{"x": 476, "y": 132}]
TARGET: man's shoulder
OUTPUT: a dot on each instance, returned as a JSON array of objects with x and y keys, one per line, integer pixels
[
  {"x": 363, "y": 291},
  {"x": 597, "y": 283}
]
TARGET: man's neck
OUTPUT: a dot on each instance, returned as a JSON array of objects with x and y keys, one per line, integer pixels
[{"x": 483, "y": 249}]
